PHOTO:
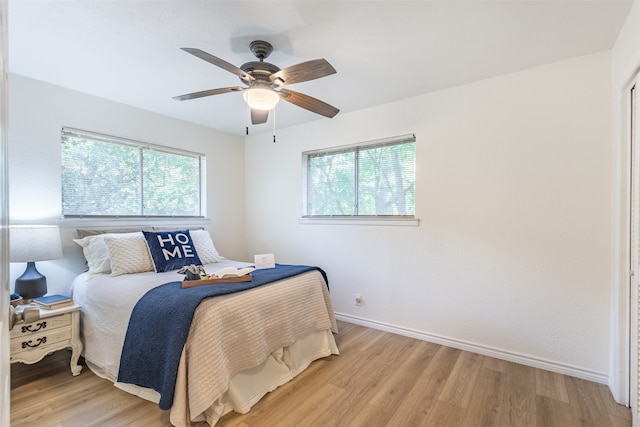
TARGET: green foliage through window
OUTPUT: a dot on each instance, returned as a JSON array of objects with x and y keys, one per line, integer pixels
[
  {"x": 376, "y": 179},
  {"x": 105, "y": 176}
]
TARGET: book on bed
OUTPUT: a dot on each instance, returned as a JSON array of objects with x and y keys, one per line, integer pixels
[
  {"x": 232, "y": 272},
  {"x": 225, "y": 275}
]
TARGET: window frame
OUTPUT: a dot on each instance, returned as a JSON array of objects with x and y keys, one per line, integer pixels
[
  {"x": 141, "y": 146},
  {"x": 305, "y": 218}
]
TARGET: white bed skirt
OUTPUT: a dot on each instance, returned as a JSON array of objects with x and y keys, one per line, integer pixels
[{"x": 249, "y": 386}]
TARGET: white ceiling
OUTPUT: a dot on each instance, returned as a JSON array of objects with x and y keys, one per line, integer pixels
[{"x": 129, "y": 50}]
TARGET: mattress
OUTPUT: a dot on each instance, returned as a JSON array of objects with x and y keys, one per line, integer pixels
[{"x": 240, "y": 346}]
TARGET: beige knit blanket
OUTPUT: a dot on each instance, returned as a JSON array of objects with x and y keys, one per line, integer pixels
[{"x": 230, "y": 334}]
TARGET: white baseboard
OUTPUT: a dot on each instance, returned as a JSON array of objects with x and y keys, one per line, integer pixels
[{"x": 522, "y": 359}]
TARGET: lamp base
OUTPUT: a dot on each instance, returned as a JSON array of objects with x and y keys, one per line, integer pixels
[{"x": 31, "y": 284}]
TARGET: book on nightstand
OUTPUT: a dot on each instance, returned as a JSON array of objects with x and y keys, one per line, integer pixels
[{"x": 51, "y": 302}]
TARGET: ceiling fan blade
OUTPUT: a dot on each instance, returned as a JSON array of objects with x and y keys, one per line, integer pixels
[
  {"x": 259, "y": 116},
  {"x": 303, "y": 72},
  {"x": 309, "y": 103},
  {"x": 209, "y": 92},
  {"x": 218, "y": 62}
]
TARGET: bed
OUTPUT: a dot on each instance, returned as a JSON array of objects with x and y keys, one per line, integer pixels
[{"x": 239, "y": 346}]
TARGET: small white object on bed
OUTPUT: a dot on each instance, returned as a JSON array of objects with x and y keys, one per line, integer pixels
[{"x": 240, "y": 346}]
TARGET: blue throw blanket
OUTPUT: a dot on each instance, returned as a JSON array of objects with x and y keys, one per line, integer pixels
[{"x": 160, "y": 322}]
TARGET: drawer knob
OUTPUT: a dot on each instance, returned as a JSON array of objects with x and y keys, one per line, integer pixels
[
  {"x": 40, "y": 325},
  {"x": 41, "y": 340}
]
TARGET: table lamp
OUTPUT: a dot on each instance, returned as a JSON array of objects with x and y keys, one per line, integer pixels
[{"x": 31, "y": 243}]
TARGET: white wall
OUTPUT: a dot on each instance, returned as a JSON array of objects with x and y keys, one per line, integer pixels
[
  {"x": 38, "y": 110},
  {"x": 512, "y": 254},
  {"x": 625, "y": 63},
  {"x": 513, "y": 177}
]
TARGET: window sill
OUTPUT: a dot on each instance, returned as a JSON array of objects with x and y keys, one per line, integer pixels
[
  {"x": 352, "y": 220},
  {"x": 131, "y": 221}
]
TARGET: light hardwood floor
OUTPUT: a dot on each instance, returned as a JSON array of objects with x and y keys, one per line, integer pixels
[{"x": 379, "y": 379}]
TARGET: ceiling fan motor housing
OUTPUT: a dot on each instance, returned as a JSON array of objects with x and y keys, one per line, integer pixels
[
  {"x": 261, "y": 49},
  {"x": 259, "y": 69}
]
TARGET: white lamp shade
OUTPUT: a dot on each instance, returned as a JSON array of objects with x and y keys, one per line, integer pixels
[
  {"x": 261, "y": 98},
  {"x": 30, "y": 243}
]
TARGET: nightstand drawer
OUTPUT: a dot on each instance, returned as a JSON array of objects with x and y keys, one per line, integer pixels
[
  {"x": 42, "y": 325},
  {"x": 41, "y": 340}
]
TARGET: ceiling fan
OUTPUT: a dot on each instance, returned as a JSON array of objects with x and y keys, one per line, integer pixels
[{"x": 265, "y": 82}]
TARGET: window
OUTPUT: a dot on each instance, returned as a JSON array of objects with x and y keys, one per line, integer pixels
[
  {"x": 107, "y": 176},
  {"x": 372, "y": 179}
]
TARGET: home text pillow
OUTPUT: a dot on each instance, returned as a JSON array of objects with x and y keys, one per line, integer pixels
[
  {"x": 128, "y": 253},
  {"x": 205, "y": 247},
  {"x": 171, "y": 250}
]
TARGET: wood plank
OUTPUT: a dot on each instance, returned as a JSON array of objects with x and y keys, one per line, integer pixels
[
  {"x": 613, "y": 408},
  {"x": 486, "y": 404},
  {"x": 366, "y": 416},
  {"x": 388, "y": 355},
  {"x": 444, "y": 415},
  {"x": 379, "y": 379},
  {"x": 587, "y": 407},
  {"x": 551, "y": 384},
  {"x": 617, "y": 421},
  {"x": 389, "y": 395},
  {"x": 551, "y": 412},
  {"x": 423, "y": 396},
  {"x": 313, "y": 412},
  {"x": 495, "y": 364},
  {"x": 459, "y": 386},
  {"x": 519, "y": 398}
]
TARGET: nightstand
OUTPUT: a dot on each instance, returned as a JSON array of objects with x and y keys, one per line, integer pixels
[{"x": 56, "y": 329}]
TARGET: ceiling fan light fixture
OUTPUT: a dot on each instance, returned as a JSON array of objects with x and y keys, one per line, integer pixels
[
  {"x": 261, "y": 98},
  {"x": 264, "y": 82}
]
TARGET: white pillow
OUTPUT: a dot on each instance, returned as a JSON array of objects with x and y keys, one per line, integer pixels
[
  {"x": 128, "y": 253},
  {"x": 96, "y": 253},
  {"x": 97, "y": 257},
  {"x": 204, "y": 247}
]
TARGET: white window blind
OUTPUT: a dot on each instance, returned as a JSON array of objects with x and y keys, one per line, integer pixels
[
  {"x": 109, "y": 176},
  {"x": 367, "y": 180}
]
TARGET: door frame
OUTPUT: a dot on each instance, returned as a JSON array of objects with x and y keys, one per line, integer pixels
[
  {"x": 620, "y": 381},
  {"x": 631, "y": 100},
  {"x": 5, "y": 379}
]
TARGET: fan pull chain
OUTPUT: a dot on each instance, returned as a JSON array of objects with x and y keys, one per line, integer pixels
[{"x": 274, "y": 125}]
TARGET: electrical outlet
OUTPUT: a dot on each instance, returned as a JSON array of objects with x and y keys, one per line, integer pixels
[{"x": 357, "y": 299}]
